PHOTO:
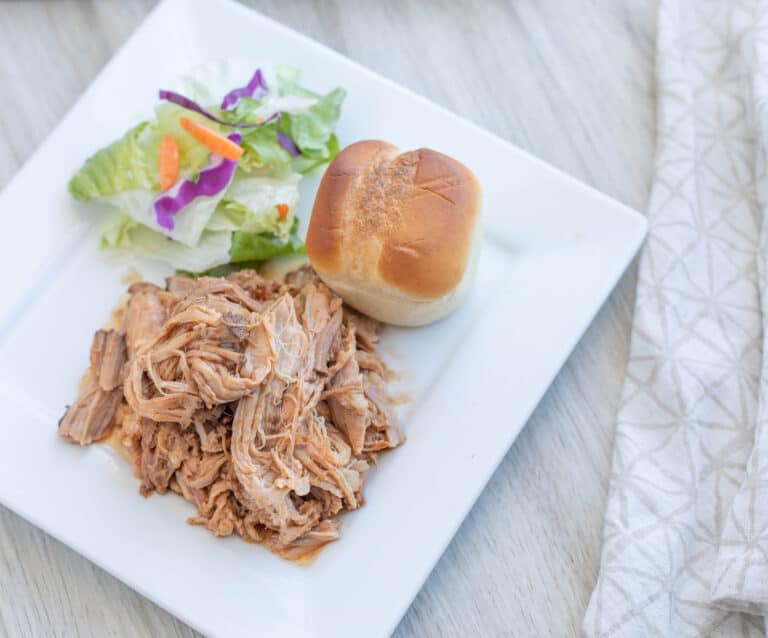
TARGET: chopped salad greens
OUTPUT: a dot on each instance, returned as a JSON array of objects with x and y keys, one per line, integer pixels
[{"x": 212, "y": 178}]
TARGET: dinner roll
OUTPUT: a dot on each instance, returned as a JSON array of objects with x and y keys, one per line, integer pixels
[{"x": 395, "y": 234}]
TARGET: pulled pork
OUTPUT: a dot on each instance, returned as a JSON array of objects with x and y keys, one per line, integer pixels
[{"x": 263, "y": 404}]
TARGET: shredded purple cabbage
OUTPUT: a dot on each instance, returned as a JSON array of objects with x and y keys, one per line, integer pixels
[
  {"x": 256, "y": 88},
  {"x": 287, "y": 143},
  {"x": 211, "y": 181},
  {"x": 191, "y": 105},
  {"x": 285, "y": 140}
]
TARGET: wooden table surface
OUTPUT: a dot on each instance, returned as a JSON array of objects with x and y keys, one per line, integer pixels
[{"x": 571, "y": 82}]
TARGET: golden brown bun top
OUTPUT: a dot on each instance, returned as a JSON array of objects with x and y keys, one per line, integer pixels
[{"x": 405, "y": 220}]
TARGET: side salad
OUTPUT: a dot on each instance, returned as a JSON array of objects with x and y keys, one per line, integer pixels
[{"x": 213, "y": 178}]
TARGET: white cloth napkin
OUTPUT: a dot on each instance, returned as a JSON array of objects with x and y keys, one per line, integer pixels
[{"x": 686, "y": 532}]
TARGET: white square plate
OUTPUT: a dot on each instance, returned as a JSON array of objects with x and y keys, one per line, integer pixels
[{"x": 554, "y": 249}]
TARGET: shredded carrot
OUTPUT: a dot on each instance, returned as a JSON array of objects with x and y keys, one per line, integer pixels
[
  {"x": 282, "y": 211},
  {"x": 168, "y": 162},
  {"x": 213, "y": 140}
]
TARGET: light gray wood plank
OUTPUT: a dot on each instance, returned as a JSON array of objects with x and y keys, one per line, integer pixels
[{"x": 572, "y": 82}]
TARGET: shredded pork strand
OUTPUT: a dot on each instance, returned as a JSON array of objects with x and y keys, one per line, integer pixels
[{"x": 261, "y": 403}]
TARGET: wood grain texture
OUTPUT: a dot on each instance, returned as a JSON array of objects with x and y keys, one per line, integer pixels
[{"x": 572, "y": 82}]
